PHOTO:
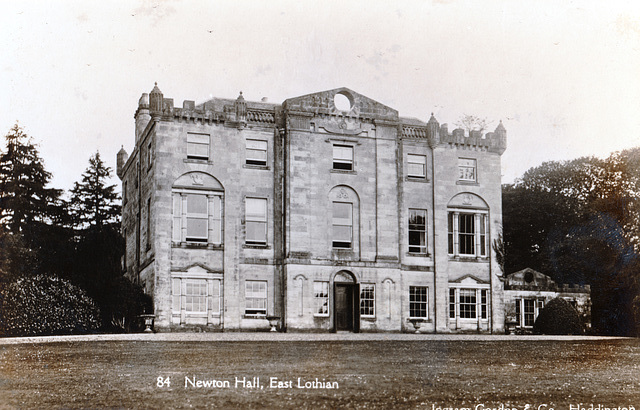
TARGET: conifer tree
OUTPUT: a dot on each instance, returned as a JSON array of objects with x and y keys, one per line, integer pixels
[
  {"x": 29, "y": 241},
  {"x": 94, "y": 203},
  {"x": 24, "y": 198}
]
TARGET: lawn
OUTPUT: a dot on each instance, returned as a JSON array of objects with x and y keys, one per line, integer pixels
[{"x": 371, "y": 374}]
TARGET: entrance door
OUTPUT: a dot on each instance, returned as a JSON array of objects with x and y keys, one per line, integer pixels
[{"x": 345, "y": 307}]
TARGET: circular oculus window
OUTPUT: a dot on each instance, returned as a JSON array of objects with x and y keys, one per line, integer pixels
[{"x": 343, "y": 102}]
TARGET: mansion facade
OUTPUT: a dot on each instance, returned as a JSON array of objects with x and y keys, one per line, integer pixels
[{"x": 320, "y": 216}]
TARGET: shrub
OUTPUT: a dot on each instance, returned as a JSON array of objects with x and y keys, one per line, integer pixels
[
  {"x": 44, "y": 305},
  {"x": 558, "y": 317}
]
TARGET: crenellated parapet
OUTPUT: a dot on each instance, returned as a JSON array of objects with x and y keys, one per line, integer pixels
[
  {"x": 240, "y": 113},
  {"x": 232, "y": 113},
  {"x": 437, "y": 134}
]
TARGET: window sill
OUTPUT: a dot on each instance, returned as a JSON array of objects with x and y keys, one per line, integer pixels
[
  {"x": 255, "y": 246},
  {"x": 326, "y": 316},
  {"x": 197, "y": 245},
  {"x": 251, "y": 166},
  {"x": 368, "y": 318},
  {"x": 472, "y": 183},
  {"x": 198, "y": 161},
  {"x": 466, "y": 319},
  {"x": 343, "y": 171},
  {"x": 417, "y": 179},
  {"x": 420, "y": 319},
  {"x": 245, "y": 316},
  {"x": 418, "y": 255},
  {"x": 459, "y": 258}
]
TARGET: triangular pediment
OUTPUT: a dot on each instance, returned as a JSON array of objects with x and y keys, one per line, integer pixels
[
  {"x": 324, "y": 103},
  {"x": 528, "y": 277},
  {"x": 469, "y": 280}
]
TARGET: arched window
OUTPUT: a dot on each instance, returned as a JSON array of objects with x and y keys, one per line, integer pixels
[
  {"x": 198, "y": 202},
  {"x": 468, "y": 226}
]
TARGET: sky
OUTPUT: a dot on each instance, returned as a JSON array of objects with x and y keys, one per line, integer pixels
[{"x": 563, "y": 76}]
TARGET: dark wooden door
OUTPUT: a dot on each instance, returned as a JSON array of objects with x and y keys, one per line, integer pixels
[{"x": 344, "y": 307}]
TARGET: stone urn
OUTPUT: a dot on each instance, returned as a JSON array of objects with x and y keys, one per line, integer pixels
[
  {"x": 273, "y": 322},
  {"x": 417, "y": 323},
  {"x": 148, "y": 322}
]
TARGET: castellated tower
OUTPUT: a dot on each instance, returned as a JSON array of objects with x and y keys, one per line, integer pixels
[{"x": 243, "y": 215}]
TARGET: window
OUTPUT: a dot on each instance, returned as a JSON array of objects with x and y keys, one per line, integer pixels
[
  {"x": 149, "y": 157},
  {"x": 256, "y": 218},
  {"x": 321, "y": 298},
  {"x": 417, "y": 231},
  {"x": 148, "y": 223},
  {"x": 467, "y": 234},
  {"x": 197, "y": 218},
  {"x": 483, "y": 303},
  {"x": 467, "y": 169},
  {"x": 195, "y": 296},
  {"x": 201, "y": 221},
  {"x": 463, "y": 303},
  {"x": 416, "y": 166},
  {"x": 342, "y": 224},
  {"x": 255, "y": 297},
  {"x": 367, "y": 299},
  {"x": 343, "y": 157},
  {"x": 197, "y": 146},
  {"x": 527, "y": 310},
  {"x": 452, "y": 303},
  {"x": 467, "y": 303},
  {"x": 256, "y": 152},
  {"x": 418, "y": 301},
  {"x": 124, "y": 192},
  {"x": 450, "y": 233}
]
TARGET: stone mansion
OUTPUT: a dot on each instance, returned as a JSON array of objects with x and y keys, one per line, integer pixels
[{"x": 327, "y": 212}]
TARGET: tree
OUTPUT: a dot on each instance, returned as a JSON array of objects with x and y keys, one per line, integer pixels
[
  {"x": 99, "y": 249},
  {"x": 28, "y": 209},
  {"x": 99, "y": 245},
  {"x": 472, "y": 123},
  {"x": 24, "y": 197},
  {"x": 579, "y": 222},
  {"x": 93, "y": 202}
]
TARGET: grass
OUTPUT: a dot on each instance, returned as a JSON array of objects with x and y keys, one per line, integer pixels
[{"x": 371, "y": 374}]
